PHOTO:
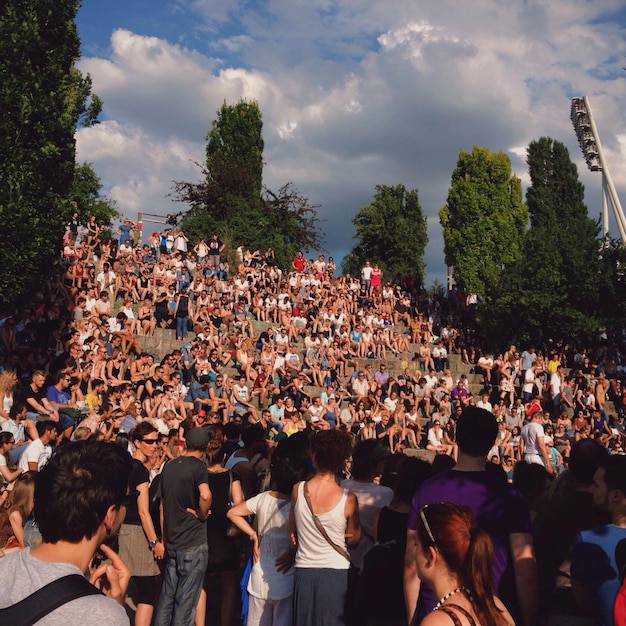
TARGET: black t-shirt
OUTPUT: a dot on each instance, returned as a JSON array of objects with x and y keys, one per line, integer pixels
[
  {"x": 138, "y": 476},
  {"x": 27, "y": 392},
  {"x": 179, "y": 490}
]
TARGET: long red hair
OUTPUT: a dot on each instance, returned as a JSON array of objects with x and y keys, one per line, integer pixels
[{"x": 467, "y": 551}]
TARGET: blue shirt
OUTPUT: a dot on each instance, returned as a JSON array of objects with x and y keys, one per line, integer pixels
[{"x": 593, "y": 567}]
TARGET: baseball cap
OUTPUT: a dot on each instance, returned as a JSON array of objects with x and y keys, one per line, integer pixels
[{"x": 197, "y": 437}]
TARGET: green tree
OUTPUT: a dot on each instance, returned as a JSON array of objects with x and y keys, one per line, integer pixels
[
  {"x": 612, "y": 284},
  {"x": 42, "y": 99},
  {"x": 553, "y": 291},
  {"x": 86, "y": 198},
  {"x": 390, "y": 231},
  {"x": 231, "y": 199},
  {"x": 234, "y": 153},
  {"x": 484, "y": 220}
]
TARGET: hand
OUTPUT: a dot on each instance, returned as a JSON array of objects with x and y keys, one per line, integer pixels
[
  {"x": 158, "y": 550},
  {"x": 195, "y": 514},
  {"x": 285, "y": 561},
  {"x": 111, "y": 578},
  {"x": 255, "y": 547}
]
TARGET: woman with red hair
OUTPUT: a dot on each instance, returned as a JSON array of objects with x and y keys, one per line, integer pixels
[{"x": 454, "y": 557}]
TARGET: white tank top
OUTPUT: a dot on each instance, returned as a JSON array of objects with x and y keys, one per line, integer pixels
[{"x": 313, "y": 549}]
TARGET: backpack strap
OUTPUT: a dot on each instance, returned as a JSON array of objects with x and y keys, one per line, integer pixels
[{"x": 37, "y": 605}]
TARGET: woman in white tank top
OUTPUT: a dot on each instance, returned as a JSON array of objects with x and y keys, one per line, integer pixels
[{"x": 322, "y": 559}]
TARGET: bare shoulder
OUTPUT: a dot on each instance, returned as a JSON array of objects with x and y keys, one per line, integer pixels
[
  {"x": 352, "y": 504},
  {"x": 436, "y": 618},
  {"x": 501, "y": 607}
]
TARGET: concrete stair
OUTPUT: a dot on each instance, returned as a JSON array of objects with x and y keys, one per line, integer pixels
[{"x": 164, "y": 341}]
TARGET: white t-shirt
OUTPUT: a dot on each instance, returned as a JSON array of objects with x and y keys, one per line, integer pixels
[
  {"x": 370, "y": 497},
  {"x": 265, "y": 580},
  {"x": 529, "y": 380},
  {"x": 532, "y": 433},
  {"x": 35, "y": 452}
]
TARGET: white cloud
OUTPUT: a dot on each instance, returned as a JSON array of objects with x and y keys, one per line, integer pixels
[{"x": 356, "y": 93}]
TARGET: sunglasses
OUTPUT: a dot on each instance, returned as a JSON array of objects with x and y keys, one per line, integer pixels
[
  {"x": 150, "y": 441},
  {"x": 429, "y": 532}
]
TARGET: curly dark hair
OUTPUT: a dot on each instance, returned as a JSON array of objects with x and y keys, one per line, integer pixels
[{"x": 330, "y": 449}]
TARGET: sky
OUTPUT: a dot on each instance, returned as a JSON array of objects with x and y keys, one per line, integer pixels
[{"x": 353, "y": 93}]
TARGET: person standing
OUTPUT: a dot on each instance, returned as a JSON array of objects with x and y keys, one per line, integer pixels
[
  {"x": 533, "y": 438},
  {"x": 455, "y": 557},
  {"x": 366, "y": 276},
  {"x": 216, "y": 246},
  {"x": 186, "y": 503},
  {"x": 324, "y": 521},
  {"x": 498, "y": 508},
  {"x": 368, "y": 460},
  {"x": 595, "y": 576},
  {"x": 138, "y": 540},
  {"x": 182, "y": 312}
]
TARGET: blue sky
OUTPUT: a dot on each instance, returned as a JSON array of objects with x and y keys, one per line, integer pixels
[{"x": 353, "y": 93}]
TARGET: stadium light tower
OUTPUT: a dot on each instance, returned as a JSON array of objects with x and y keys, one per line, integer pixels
[{"x": 589, "y": 141}]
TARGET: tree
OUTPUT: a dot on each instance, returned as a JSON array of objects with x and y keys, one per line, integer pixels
[
  {"x": 42, "y": 99},
  {"x": 484, "y": 220},
  {"x": 232, "y": 200},
  {"x": 234, "y": 153},
  {"x": 85, "y": 196},
  {"x": 390, "y": 231},
  {"x": 553, "y": 291}
]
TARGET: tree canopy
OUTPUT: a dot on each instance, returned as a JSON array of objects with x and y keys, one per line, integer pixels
[
  {"x": 42, "y": 99},
  {"x": 390, "y": 231},
  {"x": 86, "y": 197},
  {"x": 553, "y": 290},
  {"x": 483, "y": 221},
  {"x": 232, "y": 200}
]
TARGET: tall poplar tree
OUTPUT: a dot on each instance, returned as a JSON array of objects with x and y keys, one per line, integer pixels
[
  {"x": 232, "y": 201},
  {"x": 554, "y": 290},
  {"x": 42, "y": 99},
  {"x": 390, "y": 231},
  {"x": 483, "y": 221}
]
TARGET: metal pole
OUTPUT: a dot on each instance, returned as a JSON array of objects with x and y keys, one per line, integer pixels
[
  {"x": 606, "y": 174},
  {"x": 605, "y": 208}
]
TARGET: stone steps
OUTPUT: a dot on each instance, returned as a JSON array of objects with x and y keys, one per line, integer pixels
[{"x": 164, "y": 341}]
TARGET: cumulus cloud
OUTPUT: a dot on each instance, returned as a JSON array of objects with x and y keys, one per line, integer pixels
[{"x": 356, "y": 93}]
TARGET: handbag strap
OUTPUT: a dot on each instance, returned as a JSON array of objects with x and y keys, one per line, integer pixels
[
  {"x": 37, "y": 605},
  {"x": 321, "y": 528},
  {"x": 269, "y": 519}
]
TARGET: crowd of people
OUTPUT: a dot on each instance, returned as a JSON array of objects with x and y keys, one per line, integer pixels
[{"x": 290, "y": 409}]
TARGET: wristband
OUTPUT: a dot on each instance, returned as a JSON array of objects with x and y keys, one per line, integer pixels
[{"x": 153, "y": 543}]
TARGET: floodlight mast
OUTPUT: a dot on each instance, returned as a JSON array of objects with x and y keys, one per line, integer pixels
[{"x": 589, "y": 140}]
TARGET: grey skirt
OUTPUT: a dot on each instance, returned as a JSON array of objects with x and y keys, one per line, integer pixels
[
  {"x": 135, "y": 551},
  {"x": 319, "y": 596}
]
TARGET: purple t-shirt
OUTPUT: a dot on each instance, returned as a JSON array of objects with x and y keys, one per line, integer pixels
[{"x": 498, "y": 507}]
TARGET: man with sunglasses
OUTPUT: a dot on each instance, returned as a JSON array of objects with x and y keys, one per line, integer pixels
[{"x": 498, "y": 508}]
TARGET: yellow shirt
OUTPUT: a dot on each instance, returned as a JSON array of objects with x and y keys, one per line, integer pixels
[
  {"x": 92, "y": 400},
  {"x": 552, "y": 365}
]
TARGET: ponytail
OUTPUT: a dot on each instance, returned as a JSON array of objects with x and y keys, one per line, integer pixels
[
  {"x": 478, "y": 577},
  {"x": 467, "y": 551}
]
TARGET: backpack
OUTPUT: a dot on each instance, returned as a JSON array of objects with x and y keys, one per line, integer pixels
[{"x": 40, "y": 603}]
